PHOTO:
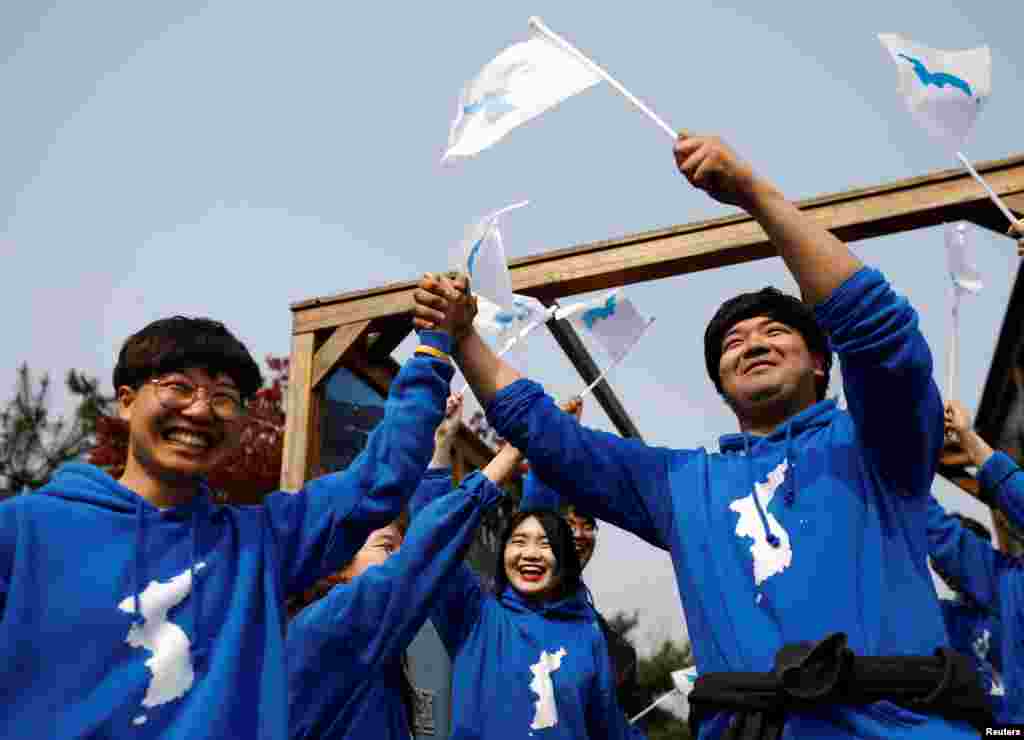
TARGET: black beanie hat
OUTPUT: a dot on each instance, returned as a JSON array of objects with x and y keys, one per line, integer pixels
[{"x": 776, "y": 305}]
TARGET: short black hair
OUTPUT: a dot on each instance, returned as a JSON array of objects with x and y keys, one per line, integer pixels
[
  {"x": 776, "y": 305},
  {"x": 567, "y": 562},
  {"x": 175, "y": 343}
]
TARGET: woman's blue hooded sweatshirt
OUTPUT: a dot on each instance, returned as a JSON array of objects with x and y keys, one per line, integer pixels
[
  {"x": 345, "y": 650},
  {"x": 994, "y": 582},
  {"x": 817, "y": 528},
  {"x": 522, "y": 670},
  {"x": 118, "y": 619}
]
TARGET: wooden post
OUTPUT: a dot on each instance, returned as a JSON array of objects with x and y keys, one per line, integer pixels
[{"x": 298, "y": 418}]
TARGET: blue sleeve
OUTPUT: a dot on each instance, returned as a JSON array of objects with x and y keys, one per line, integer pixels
[
  {"x": 380, "y": 612},
  {"x": 887, "y": 379},
  {"x": 457, "y": 608},
  {"x": 971, "y": 561},
  {"x": 621, "y": 481},
  {"x": 436, "y": 482},
  {"x": 1003, "y": 485},
  {"x": 321, "y": 527},
  {"x": 537, "y": 496}
]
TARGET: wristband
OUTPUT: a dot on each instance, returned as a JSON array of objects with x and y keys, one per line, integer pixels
[{"x": 434, "y": 352}]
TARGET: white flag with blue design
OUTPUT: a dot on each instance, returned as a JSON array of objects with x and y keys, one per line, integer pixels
[
  {"x": 522, "y": 82},
  {"x": 612, "y": 319},
  {"x": 481, "y": 255},
  {"x": 944, "y": 90},
  {"x": 962, "y": 271}
]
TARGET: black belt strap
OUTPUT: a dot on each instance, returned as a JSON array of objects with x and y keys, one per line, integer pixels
[{"x": 808, "y": 676}]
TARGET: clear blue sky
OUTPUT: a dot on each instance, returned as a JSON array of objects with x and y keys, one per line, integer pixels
[{"x": 229, "y": 158}]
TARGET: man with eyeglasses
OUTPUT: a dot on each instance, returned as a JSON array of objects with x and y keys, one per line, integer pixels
[{"x": 138, "y": 607}]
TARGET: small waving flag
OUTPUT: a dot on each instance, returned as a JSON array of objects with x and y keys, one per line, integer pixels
[
  {"x": 944, "y": 90},
  {"x": 481, "y": 253},
  {"x": 522, "y": 82},
  {"x": 612, "y": 319}
]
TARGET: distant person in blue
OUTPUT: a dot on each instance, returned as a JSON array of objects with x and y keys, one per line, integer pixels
[
  {"x": 346, "y": 649},
  {"x": 537, "y": 495},
  {"x": 140, "y": 608},
  {"x": 986, "y": 619},
  {"x": 529, "y": 658},
  {"x": 799, "y": 545}
]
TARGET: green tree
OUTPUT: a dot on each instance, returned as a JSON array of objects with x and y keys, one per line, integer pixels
[
  {"x": 654, "y": 680},
  {"x": 33, "y": 444}
]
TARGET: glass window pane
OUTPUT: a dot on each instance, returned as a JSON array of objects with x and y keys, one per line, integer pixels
[{"x": 350, "y": 410}]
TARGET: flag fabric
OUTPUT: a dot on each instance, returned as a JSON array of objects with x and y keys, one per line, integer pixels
[
  {"x": 944, "y": 90},
  {"x": 612, "y": 319},
  {"x": 481, "y": 254},
  {"x": 522, "y": 82},
  {"x": 962, "y": 271}
]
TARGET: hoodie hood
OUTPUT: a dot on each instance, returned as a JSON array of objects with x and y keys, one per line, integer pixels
[
  {"x": 81, "y": 483},
  {"x": 575, "y": 607}
]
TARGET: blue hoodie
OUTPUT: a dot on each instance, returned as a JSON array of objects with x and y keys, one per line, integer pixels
[
  {"x": 83, "y": 556},
  {"x": 345, "y": 650},
  {"x": 993, "y": 580},
  {"x": 978, "y": 634},
  {"x": 835, "y": 539},
  {"x": 522, "y": 670}
]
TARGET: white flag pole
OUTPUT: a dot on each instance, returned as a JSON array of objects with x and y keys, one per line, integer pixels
[
  {"x": 991, "y": 193},
  {"x": 954, "y": 339},
  {"x": 656, "y": 703},
  {"x": 521, "y": 335},
  {"x": 619, "y": 359},
  {"x": 538, "y": 25}
]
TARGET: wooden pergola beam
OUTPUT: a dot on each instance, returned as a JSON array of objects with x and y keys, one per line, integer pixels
[{"x": 851, "y": 215}]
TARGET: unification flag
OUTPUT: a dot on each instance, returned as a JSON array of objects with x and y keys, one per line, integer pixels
[
  {"x": 612, "y": 319},
  {"x": 481, "y": 253},
  {"x": 944, "y": 90},
  {"x": 522, "y": 82}
]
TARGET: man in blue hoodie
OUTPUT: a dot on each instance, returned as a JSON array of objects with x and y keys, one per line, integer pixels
[
  {"x": 138, "y": 607},
  {"x": 808, "y": 526},
  {"x": 985, "y": 619}
]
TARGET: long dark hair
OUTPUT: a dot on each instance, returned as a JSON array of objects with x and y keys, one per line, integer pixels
[
  {"x": 567, "y": 562},
  {"x": 321, "y": 588}
]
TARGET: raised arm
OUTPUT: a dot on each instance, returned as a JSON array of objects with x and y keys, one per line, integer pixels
[
  {"x": 820, "y": 263},
  {"x": 969, "y": 560},
  {"x": 621, "y": 481},
  {"x": 321, "y": 527},
  {"x": 383, "y": 609}
]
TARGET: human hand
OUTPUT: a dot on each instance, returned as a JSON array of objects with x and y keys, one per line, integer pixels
[
  {"x": 573, "y": 406},
  {"x": 958, "y": 424},
  {"x": 444, "y": 435},
  {"x": 710, "y": 165},
  {"x": 957, "y": 419},
  {"x": 1017, "y": 232},
  {"x": 444, "y": 303}
]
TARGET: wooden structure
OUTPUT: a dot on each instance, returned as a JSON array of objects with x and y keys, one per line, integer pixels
[{"x": 358, "y": 331}]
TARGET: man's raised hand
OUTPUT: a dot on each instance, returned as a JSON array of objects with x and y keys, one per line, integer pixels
[
  {"x": 444, "y": 303},
  {"x": 709, "y": 164}
]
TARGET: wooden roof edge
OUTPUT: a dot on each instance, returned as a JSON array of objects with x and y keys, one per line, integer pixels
[{"x": 987, "y": 167}]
